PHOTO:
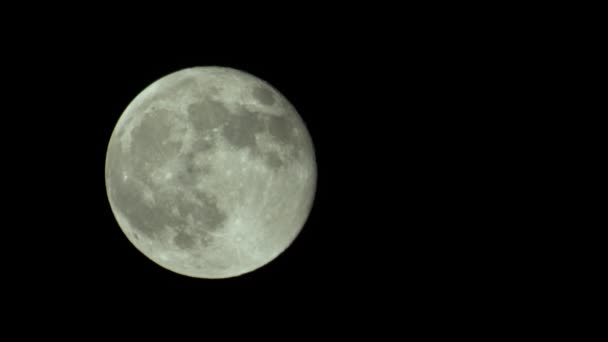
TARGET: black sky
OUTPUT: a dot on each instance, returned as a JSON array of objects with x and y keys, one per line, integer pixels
[{"x": 393, "y": 108}]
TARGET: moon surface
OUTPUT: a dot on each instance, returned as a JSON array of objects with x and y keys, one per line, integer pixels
[{"x": 210, "y": 172}]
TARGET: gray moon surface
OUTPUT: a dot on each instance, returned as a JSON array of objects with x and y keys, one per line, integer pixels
[{"x": 210, "y": 172}]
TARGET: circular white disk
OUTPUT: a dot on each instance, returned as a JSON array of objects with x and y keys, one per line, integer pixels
[{"x": 210, "y": 172}]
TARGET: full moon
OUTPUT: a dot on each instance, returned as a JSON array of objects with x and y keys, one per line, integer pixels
[{"x": 210, "y": 172}]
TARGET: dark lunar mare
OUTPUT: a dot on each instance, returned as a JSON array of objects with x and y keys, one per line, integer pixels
[{"x": 239, "y": 129}]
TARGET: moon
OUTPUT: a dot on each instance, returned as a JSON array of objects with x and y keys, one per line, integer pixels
[{"x": 210, "y": 172}]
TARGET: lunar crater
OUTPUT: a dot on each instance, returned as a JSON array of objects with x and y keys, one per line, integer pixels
[
  {"x": 184, "y": 241},
  {"x": 264, "y": 95}
]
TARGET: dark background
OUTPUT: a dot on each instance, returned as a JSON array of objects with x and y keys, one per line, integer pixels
[
  {"x": 405, "y": 224},
  {"x": 79, "y": 257}
]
